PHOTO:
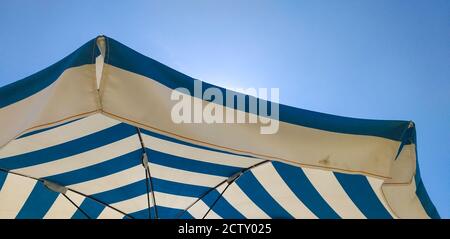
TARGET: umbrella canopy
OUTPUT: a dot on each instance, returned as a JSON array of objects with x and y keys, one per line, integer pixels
[{"x": 92, "y": 137}]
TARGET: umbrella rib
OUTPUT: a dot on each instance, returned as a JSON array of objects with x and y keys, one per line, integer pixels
[
  {"x": 238, "y": 174},
  {"x": 148, "y": 195},
  {"x": 148, "y": 176},
  {"x": 215, "y": 201},
  {"x": 72, "y": 190},
  {"x": 101, "y": 202},
  {"x": 81, "y": 210},
  {"x": 231, "y": 180},
  {"x": 199, "y": 198}
]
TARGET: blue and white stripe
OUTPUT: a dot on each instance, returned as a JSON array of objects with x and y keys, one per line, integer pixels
[{"x": 77, "y": 127}]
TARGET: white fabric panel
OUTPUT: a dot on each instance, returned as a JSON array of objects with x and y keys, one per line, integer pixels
[
  {"x": 279, "y": 190},
  {"x": 111, "y": 181},
  {"x": 197, "y": 153},
  {"x": 100, "y": 59},
  {"x": 376, "y": 184},
  {"x": 332, "y": 192},
  {"x": 137, "y": 173},
  {"x": 82, "y": 160},
  {"x": 59, "y": 135},
  {"x": 173, "y": 201},
  {"x": 72, "y": 95},
  {"x": 400, "y": 191},
  {"x": 404, "y": 166},
  {"x": 139, "y": 203},
  {"x": 183, "y": 176},
  {"x": 212, "y": 215},
  {"x": 14, "y": 193},
  {"x": 403, "y": 198},
  {"x": 370, "y": 155},
  {"x": 133, "y": 205},
  {"x": 109, "y": 213},
  {"x": 240, "y": 201},
  {"x": 199, "y": 209},
  {"x": 62, "y": 208}
]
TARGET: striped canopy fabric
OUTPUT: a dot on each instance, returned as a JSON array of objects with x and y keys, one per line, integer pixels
[{"x": 91, "y": 137}]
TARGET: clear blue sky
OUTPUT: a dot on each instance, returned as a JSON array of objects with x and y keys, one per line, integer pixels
[{"x": 370, "y": 59}]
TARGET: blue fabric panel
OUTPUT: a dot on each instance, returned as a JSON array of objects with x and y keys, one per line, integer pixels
[
  {"x": 99, "y": 170},
  {"x": 90, "y": 207},
  {"x": 3, "y": 176},
  {"x": 190, "y": 165},
  {"x": 359, "y": 190},
  {"x": 69, "y": 148},
  {"x": 222, "y": 207},
  {"x": 256, "y": 192},
  {"x": 38, "y": 203},
  {"x": 163, "y": 213},
  {"x": 297, "y": 181}
]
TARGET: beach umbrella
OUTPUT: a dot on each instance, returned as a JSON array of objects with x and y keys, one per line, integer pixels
[{"x": 110, "y": 133}]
